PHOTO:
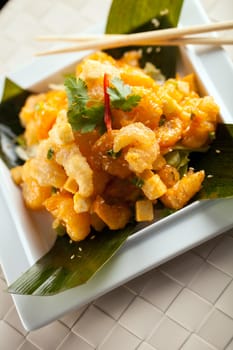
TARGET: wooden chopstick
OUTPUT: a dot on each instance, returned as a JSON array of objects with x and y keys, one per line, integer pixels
[
  {"x": 173, "y": 42},
  {"x": 170, "y": 36},
  {"x": 79, "y": 38}
]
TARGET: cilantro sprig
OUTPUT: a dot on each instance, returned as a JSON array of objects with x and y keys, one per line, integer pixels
[
  {"x": 82, "y": 117},
  {"x": 121, "y": 96},
  {"x": 85, "y": 114}
]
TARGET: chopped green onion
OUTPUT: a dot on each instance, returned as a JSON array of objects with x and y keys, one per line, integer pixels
[
  {"x": 113, "y": 154},
  {"x": 50, "y": 153},
  {"x": 138, "y": 182}
]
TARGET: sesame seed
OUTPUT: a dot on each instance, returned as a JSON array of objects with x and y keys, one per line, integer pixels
[
  {"x": 70, "y": 241},
  {"x": 158, "y": 49},
  {"x": 218, "y": 151},
  {"x": 164, "y": 12},
  {"x": 210, "y": 176},
  {"x": 155, "y": 22},
  {"x": 80, "y": 249},
  {"x": 92, "y": 237},
  {"x": 149, "y": 49},
  {"x": 72, "y": 257}
]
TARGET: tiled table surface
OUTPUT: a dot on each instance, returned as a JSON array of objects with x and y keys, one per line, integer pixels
[{"x": 186, "y": 303}]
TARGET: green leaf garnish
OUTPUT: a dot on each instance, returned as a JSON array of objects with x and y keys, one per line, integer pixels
[
  {"x": 137, "y": 16},
  {"x": 120, "y": 96},
  {"x": 70, "y": 264},
  {"x": 218, "y": 165},
  {"x": 179, "y": 159},
  {"x": 135, "y": 13},
  {"x": 137, "y": 181},
  {"x": 85, "y": 116},
  {"x": 13, "y": 99},
  {"x": 81, "y": 116}
]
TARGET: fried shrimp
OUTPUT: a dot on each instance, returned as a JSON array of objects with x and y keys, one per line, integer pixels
[
  {"x": 140, "y": 142},
  {"x": 103, "y": 154},
  {"x": 77, "y": 167}
]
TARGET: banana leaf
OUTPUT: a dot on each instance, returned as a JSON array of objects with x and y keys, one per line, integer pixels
[
  {"x": 13, "y": 99},
  {"x": 69, "y": 264},
  {"x": 218, "y": 165},
  {"x": 138, "y": 16}
]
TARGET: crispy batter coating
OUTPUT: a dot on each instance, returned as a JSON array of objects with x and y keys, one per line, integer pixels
[{"x": 92, "y": 180}]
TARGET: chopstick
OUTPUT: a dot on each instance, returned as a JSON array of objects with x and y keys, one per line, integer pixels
[
  {"x": 172, "y": 42},
  {"x": 170, "y": 36}
]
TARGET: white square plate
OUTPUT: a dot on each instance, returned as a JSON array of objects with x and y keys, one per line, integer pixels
[{"x": 22, "y": 242}]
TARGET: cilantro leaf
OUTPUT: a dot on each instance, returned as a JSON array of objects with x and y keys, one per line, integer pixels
[
  {"x": 121, "y": 89},
  {"x": 82, "y": 117},
  {"x": 120, "y": 96},
  {"x": 76, "y": 91}
]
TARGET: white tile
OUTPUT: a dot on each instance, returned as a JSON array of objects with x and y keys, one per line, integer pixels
[
  {"x": 93, "y": 326},
  {"x": 5, "y": 299},
  {"x": 37, "y": 9},
  {"x": 161, "y": 290},
  {"x": 183, "y": 268},
  {"x": 92, "y": 7},
  {"x": 27, "y": 345},
  {"x": 13, "y": 319},
  {"x": 230, "y": 346},
  {"x": 77, "y": 5},
  {"x": 145, "y": 346},
  {"x": 74, "y": 342},
  {"x": 168, "y": 335},
  {"x": 217, "y": 329},
  {"x": 189, "y": 309},
  {"x": 21, "y": 27},
  {"x": 225, "y": 302},
  {"x": 137, "y": 284},
  {"x": 197, "y": 343},
  {"x": 140, "y": 317},
  {"x": 70, "y": 318},
  {"x": 49, "y": 336},
  {"x": 209, "y": 282},
  {"x": 62, "y": 19},
  {"x": 10, "y": 338},
  {"x": 205, "y": 249},
  {"x": 230, "y": 232},
  {"x": 222, "y": 256},
  {"x": 120, "y": 338},
  {"x": 115, "y": 302}
]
